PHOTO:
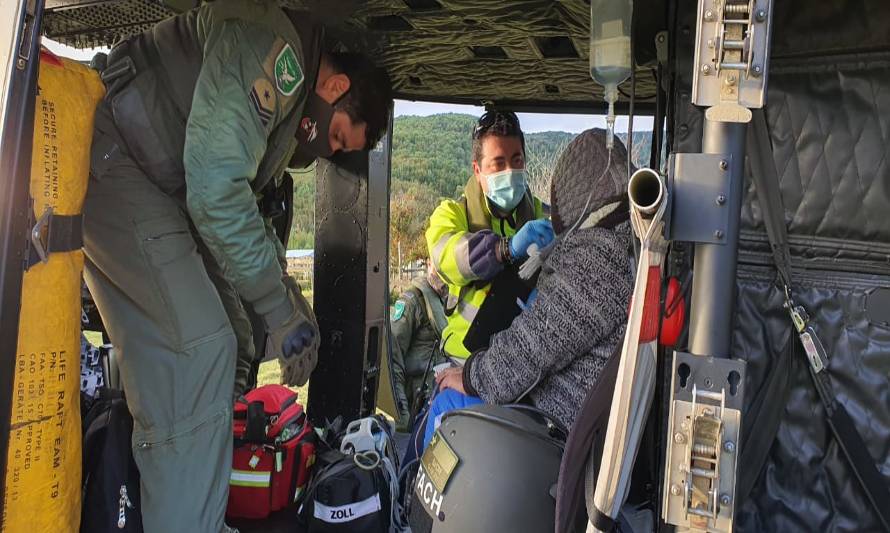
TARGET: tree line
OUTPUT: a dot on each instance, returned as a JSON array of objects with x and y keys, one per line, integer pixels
[{"x": 431, "y": 160}]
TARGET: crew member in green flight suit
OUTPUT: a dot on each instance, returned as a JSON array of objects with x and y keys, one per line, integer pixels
[
  {"x": 417, "y": 320},
  {"x": 202, "y": 112}
]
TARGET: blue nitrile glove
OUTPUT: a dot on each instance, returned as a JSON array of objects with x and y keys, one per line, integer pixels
[
  {"x": 297, "y": 339},
  {"x": 531, "y": 297},
  {"x": 538, "y": 232}
]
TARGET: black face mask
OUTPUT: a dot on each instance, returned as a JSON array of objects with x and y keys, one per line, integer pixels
[
  {"x": 313, "y": 131},
  {"x": 301, "y": 158}
]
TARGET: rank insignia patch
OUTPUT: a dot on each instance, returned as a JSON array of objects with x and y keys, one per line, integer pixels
[{"x": 262, "y": 99}]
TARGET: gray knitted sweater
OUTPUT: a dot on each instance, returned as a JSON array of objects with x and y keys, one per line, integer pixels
[{"x": 557, "y": 348}]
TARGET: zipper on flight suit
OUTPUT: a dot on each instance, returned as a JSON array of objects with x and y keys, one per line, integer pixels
[{"x": 145, "y": 445}]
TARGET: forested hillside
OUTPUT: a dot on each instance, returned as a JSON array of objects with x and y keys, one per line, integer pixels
[{"x": 431, "y": 160}]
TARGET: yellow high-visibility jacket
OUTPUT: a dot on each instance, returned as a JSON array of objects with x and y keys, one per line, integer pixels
[{"x": 463, "y": 239}]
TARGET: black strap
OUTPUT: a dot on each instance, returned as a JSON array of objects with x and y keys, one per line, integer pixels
[
  {"x": 601, "y": 521},
  {"x": 766, "y": 181},
  {"x": 53, "y": 233},
  {"x": 498, "y": 309},
  {"x": 761, "y": 420},
  {"x": 585, "y": 443}
]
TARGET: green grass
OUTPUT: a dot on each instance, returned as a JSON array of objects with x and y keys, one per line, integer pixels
[
  {"x": 270, "y": 373},
  {"x": 94, "y": 337}
]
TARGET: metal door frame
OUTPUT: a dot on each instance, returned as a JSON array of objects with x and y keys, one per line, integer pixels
[{"x": 21, "y": 51}]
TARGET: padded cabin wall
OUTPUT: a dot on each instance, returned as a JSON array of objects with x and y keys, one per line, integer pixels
[
  {"x": 350, "y": 285},
  {"x": 341, "y": 213},
  {"x": 806, "y": 483},
  {"x": 434, "y": 49},
  {"x": 829, "y": 114}
]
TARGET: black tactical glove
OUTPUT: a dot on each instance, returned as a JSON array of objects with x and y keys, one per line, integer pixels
[{"x": 295, "y": 341}]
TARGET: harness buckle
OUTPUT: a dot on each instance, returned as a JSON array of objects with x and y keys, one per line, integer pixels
[
  {"x": 40, "y": 235},
  {"x": 799, "y": 316},
  {"x": 814, "y": 350},
  {"x": 118, "y": 69}
]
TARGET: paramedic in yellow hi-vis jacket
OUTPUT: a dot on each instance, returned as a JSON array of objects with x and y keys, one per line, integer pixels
[
  {"x": 202, "y": 112},
  {"x": 478, "y": 240}
]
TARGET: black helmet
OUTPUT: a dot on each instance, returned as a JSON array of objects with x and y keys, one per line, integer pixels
[{"x": 491, "y": 468}]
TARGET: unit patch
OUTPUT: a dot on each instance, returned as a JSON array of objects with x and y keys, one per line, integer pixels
[
  {"x": 288, "y": 74},
  {"x": 439, "y": 461},
  {"x": 263, "y": 99},
  {"x": 398, "y": 311}
]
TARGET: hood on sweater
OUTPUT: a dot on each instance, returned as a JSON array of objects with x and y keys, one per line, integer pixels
[{"x": 579, "y": 171}]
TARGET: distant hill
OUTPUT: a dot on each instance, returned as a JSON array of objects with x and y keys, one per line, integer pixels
[
  {"x": 436, "y": 150},
  {"x": 431, "y": 159}
]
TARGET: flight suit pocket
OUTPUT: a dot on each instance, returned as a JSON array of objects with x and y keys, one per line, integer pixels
[
  {"x": 157, "y": 149},
  {"x": 103, "y": 155},
  {"x": 192, "y": 305}
]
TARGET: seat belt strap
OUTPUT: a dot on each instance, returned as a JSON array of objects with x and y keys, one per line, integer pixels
[
  {"x": 766, "y": 182},
  {"x": 425, "y": 295},
  {"x": 53, "y": 233}
]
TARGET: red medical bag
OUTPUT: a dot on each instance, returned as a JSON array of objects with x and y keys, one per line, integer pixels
[{"x": 274, "y": 451}]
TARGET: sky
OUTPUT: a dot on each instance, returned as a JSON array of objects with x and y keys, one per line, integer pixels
[{"x": 531, "y": 122}]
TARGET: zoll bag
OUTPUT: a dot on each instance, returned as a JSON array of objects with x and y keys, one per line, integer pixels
[
  {"x": 355, "y": 489},
  {"x": 274, "y": 451}
]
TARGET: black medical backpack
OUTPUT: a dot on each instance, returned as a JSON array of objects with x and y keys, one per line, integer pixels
[{"x": 110, "y": 476}]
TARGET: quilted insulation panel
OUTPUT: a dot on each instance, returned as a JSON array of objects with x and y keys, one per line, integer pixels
[{"x": 829, "y": 113}]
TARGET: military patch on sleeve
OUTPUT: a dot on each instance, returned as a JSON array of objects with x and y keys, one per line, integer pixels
[
  {"x": 263, "y": 99},
  {"x": 398, "y": 311},
  {"x": 288, "y": 73}
]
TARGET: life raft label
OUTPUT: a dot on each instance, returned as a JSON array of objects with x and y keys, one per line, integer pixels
[{"x": 38, "y": 416}]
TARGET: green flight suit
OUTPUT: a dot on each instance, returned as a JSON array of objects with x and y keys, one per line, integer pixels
[
  {"x": 416, "y": 321},
  {"x": 172, "y": 243}
]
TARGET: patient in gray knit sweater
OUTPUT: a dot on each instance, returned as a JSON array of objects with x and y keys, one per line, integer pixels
[{"x": 554, "y": 351}]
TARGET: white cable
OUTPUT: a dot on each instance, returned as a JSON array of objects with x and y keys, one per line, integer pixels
[
  {"x": 372, "y": 458},
  {"x": 384, "y": 457},
  {"x": 537, "y": 257}
]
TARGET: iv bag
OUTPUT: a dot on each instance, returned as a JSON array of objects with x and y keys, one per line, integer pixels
[{"x": 610, "y": 61}]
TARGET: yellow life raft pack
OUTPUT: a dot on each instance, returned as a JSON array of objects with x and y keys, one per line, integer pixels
[{"x": 43, "y": 474}]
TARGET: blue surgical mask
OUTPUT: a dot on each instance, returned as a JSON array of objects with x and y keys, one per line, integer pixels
[{"x": 506, "y": 188}]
